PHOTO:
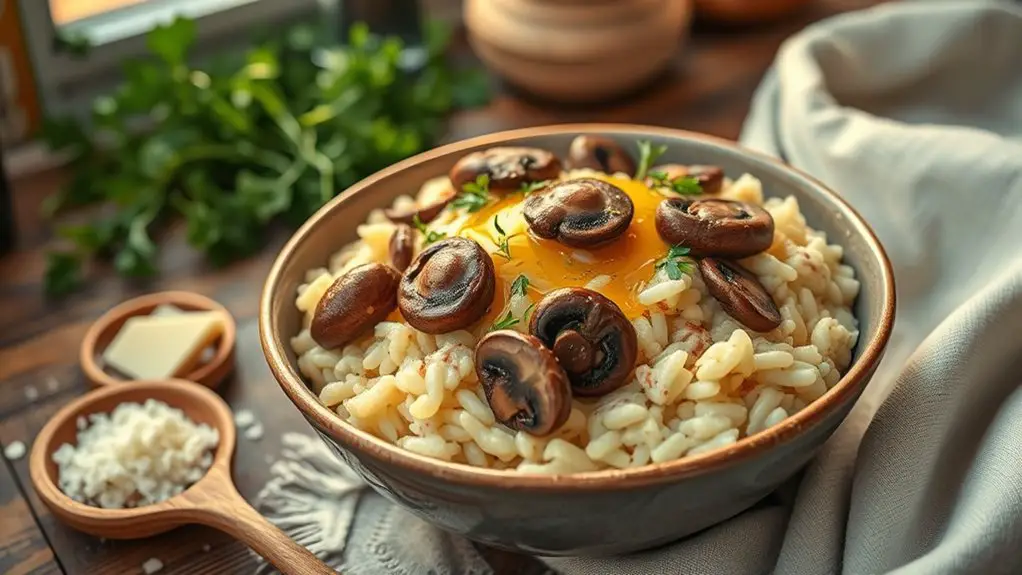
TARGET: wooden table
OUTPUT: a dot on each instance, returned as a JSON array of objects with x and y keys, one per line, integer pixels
[{"x": 707, "y": 90}]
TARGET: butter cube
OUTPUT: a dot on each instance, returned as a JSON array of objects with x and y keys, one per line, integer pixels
[{"x": 163, "y": 345}]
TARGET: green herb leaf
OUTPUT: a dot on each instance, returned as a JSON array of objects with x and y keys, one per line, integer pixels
[
  {"x": 505, "y": 322},
  {"x": 63, "y": 273},
  {"x": 648, "y": 155},
  {"x": 503, "y": 249},
  {"x": 520, "y": 286},
  {"x": 430, "y": 235},
  {"x": 682, "y": 185},
  {"x": 674, "y": 263},
  {"x": 171, "y": 41},
  {"x": 530, "y": 187},
  {"x": 474, "y": 195}
]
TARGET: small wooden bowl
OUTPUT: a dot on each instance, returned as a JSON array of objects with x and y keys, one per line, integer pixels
[
  {"x": 574, "y": 52},
  {"x": 212, "y": 501},
  {"x": 102, "y": 332}
]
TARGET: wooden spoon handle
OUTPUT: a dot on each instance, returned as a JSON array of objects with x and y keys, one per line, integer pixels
[{"x": 228, "y": 511}]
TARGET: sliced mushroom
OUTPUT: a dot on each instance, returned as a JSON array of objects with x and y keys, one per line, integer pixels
[
  {"x": 740, "y": 294},
  {"x": 582, "y": 213},
  {"x": 592, "y": 339},
  {"x": 525, "y": 386},
  {"x": 449, "y": 286},
  {"x": 508, "y": 168},
  {"x": 355, "y": 302},
  {"x": 599, "y": 153},
  {"x": 713, "y": 227},
  {"x": 710, "y": 178},
  {"x": 401, "y": 246}
]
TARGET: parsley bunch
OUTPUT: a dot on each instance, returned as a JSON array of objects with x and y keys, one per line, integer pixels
[{"x": 239, "y": 146}]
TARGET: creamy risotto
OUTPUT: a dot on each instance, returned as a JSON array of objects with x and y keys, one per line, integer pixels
[{"x": 529, "y": 313}]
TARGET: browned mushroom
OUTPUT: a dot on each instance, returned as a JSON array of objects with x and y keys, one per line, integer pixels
[
  {"x": 426, "y": 213},
  {"x": 580, "y": 213},
  {"x": 449, "y": 286},
  {"x": 355, "y": 302},
  {"x": 740, "y": 294},
  {"x": 713, "y": 227},
  {"x": 709, "y": 178},
  {"x": 508, "y": 168},
  {"x": 401, "y": 246},
  {"x": 593, "y": 340},
  {"x": 525, "y": 386},
  {"x": 599, "y": 153}
]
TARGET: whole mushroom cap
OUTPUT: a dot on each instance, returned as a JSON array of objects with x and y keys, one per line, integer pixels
[
  {"x": 448, "y": 287},
  {"x": 583, "y": 212},
  {"x": 425, "y": 213},
  {"x": 599, "y": 153},
  {"x": 709, "y": 178},
  {"x": 525, "y": 386},
  {"x": 507, "y": 167},
  {"x": 592, "y": 339},
  {"x": 355, "y": 302},
  {"x": 715, "y": 227}
]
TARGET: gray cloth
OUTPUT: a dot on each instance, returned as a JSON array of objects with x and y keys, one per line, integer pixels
[{"x": 912, "y": 111}]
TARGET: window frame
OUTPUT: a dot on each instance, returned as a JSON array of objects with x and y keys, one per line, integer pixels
[{"x": 67, "y": 83}]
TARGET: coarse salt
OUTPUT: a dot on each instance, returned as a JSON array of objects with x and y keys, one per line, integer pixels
[
  {"x": 15, "y": 450},
  {"x": 152, "y": 565},
  {"x": 137, "y": 455},
  {"x": 244, "y": 418},
  {"x": 255, "y": 432}
]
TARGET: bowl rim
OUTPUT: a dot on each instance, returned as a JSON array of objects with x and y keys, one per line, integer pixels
[{"x": 655, "y": 473}]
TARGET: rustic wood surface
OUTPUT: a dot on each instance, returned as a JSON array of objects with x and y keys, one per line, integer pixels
[{"x": 708, "y": 89}]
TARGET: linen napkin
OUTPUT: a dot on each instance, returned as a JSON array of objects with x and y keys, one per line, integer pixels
[{"x": 912, "y": 111}]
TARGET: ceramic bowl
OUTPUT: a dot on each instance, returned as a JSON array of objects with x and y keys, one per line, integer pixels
[
  {"x": 604, "y": 512},
  {"x": 572, "y": 52}
]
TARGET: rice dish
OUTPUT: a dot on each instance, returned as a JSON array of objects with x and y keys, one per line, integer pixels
[{"x": 726, "y": 344}]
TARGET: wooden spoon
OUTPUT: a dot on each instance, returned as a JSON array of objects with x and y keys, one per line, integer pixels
[{"x": 212, "y": 501}]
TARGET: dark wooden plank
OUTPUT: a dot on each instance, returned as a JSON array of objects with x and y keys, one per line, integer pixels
[
  {"x": 707, "y": 89},
  {"x": 24, "y": 549}
]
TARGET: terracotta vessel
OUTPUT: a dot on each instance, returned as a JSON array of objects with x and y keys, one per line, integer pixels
[
  {"x": 741, "y": 12},
  {"x": 573, "y": 51},
  {"x": 603, "y": 512}
]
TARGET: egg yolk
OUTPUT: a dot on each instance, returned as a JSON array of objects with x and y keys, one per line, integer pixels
[{"x": 628, "y": 261}]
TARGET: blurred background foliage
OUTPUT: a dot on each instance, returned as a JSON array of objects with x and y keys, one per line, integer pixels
[{"x": 249, "y": 141}]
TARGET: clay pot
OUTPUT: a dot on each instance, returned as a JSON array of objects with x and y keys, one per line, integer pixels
[
  {"x": 743, "y": 12},
  {"x": 577, "y": 51}
]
